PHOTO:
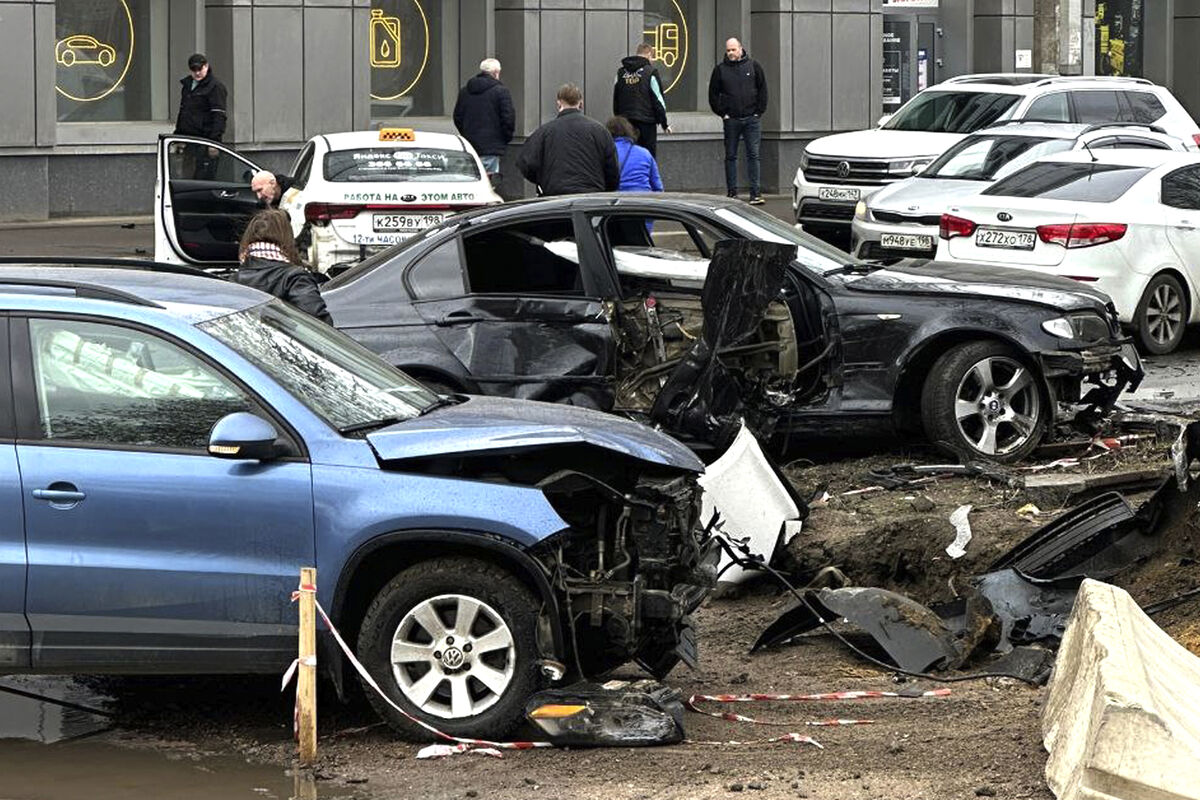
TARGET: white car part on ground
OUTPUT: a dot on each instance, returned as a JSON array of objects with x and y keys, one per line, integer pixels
[
  {"x": 754, "y": 505},
  {"x": 1121, "y": 720}
]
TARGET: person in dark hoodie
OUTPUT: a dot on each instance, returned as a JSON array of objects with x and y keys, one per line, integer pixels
[
  {"x": 638, "y": 97},
  {"x": 737, "y": 93},
  {"x": 485, "y": 117},
  {"x": 202, "y": 112},
  {"x": 270, "y": 263},
  {"x": 571, "y": 153}
]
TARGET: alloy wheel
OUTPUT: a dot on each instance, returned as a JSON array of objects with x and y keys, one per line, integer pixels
[
  {"x": 997, "y": 405},
  {"x": 1164, "y": 314},
  {"x": 453, "y": 656}
]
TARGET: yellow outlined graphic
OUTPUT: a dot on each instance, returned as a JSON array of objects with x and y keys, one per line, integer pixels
[
  {"x": 378, "y": 22},
  {"x": 66, "y": 45},
  {"x": 670, "y": 43},
  {"x": 74, "y": 50},
  {"x": 385, "y": 40}
]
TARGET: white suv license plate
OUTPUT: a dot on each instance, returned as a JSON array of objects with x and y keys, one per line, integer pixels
[
  {"x": 906, "y": 241},
  {"x": 1007, "y": 240},
  {"x": 406, "y": 222},
  {"x": 835, "y": 193}
]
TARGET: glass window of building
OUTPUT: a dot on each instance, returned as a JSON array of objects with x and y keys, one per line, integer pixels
[
  {"x": 406, "y": 58},
  {"x": 668, "y": 27},
  {"x": 106, "y": 67}
]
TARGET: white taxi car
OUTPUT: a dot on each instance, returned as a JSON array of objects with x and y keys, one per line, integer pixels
[{"x": 348, "y": 194}]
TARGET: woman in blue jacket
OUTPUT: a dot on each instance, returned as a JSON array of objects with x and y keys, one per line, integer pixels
[{"x": 639, "y": 171}]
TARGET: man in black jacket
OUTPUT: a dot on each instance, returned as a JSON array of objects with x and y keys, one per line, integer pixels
[
  {"x": 202, "y": 112},
  {"x": 571, "y": 153},
  {"x": 485, "y": 117},
  {"x": 737, "y": 93},
  {"x": 638, "y": 97}
]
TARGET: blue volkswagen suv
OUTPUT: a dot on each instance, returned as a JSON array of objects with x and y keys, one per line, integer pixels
[{"x": 173, "y": 448}]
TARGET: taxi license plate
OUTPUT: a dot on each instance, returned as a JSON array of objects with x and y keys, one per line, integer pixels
[
  {"x": 1007, "y": 240},
  {"x": 906, "y": 241},
  {"x": 407, "y": 222},
  {"x": 837, "y": 193}
]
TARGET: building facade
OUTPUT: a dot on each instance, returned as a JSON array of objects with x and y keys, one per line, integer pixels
[{"x": 91, "y": 84}]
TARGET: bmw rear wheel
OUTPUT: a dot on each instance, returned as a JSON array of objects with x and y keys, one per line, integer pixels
[
  {"x": 1161, "y": 315},
  {"x": 452, "y": 641},
  {"x": 982, "y": 401}
]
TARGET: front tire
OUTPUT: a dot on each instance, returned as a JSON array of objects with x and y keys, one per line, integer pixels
[
  {"x": 1161, "y": 315},
  {"x": 982, "y": 401},
  {"x": 452, "y": 641}
]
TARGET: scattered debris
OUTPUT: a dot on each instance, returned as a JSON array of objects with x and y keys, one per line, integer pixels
[
  {"x": 1029, "y": 511},
  {"x": 1116, "y": 720},
  {"x": 616, "y": 713},
  {"x": 962, "y": 532}
]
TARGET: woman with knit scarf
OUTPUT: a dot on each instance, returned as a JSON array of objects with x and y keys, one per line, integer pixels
[{"x": 270, "y": 262}]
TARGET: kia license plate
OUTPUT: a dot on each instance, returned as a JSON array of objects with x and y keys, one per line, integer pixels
[
  {"x": 906, "y": 241},
  {"x": 407, "y": 222},
  {"x": 1005, "y": 239},
  {"x": 837, "y": 193}
]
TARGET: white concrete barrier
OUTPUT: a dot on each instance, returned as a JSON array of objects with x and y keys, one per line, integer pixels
[{"x": 1122, "y": 719}]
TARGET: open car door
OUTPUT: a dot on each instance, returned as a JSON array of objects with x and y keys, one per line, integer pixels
[{"x": 202, "y": 202}]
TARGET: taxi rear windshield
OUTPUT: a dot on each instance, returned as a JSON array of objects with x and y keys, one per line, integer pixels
[
  {"x": 1082, "y": 181},
  {"x": 397, "y": 165}
]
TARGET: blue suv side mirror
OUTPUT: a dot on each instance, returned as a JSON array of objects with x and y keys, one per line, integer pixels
[{"x": 243, "y": 435}]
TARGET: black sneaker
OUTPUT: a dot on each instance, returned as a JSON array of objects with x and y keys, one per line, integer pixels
[
  {"x": 731, "y": 194},
  {"x": 756, "y": 200}
]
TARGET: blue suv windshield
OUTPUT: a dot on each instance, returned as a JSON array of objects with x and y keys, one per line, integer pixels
[{"x": 338, "y": 379}]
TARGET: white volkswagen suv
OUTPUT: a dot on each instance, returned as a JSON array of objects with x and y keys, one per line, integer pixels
[
  {"x": 1124, "y": 221},
  {"x": 839, "y": 170}
]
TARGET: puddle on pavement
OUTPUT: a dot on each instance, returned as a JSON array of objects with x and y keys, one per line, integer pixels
[{"x": 49, "y": 751}]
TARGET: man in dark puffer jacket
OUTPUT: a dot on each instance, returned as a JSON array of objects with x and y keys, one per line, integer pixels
[
  {"x": 485, "y": 117},
  {"x": 202, "y": 112},
  {"x": 571, "y": 153}
]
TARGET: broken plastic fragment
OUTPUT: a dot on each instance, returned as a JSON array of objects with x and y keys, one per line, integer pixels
[{"x": 962, "y": 528}]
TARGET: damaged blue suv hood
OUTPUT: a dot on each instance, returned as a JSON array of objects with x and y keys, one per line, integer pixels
[{"x": 491, "y": 424}]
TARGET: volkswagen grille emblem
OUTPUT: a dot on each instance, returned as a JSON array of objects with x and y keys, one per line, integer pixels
[
  {"x": 409, "y": 198},
  {"x": 843, "y": 169},
  {"x": 1004, "y": 216}
]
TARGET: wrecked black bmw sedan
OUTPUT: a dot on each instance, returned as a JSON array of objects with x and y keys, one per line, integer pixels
[{"x": 596, "y": 300}]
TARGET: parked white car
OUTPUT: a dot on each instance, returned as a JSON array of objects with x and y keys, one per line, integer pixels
[
  {"x": 349, "y": 194},
  {"x": 837, "y": 171},
  {"x": 901, "y": 219},
  {"x": 1126, "y": 222}
]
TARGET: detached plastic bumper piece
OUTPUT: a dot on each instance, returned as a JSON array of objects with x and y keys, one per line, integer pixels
[{"x": 613, "y": 714}]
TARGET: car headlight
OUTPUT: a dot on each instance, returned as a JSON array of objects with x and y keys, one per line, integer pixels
[
  {"x": 804, "y": 160},
  {"x": 1084, "y": 327},
  {"x": 860, "y": 210},
  {"x": 909, "y": 166}
]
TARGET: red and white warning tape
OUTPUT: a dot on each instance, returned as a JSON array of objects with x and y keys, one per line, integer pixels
[{"x": 489, "y": 748}]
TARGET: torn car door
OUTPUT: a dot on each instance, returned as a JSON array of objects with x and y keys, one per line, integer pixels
[{"x": 534, "y": 322}]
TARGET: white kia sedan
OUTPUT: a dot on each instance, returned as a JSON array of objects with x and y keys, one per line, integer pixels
[
  {"x": 1126, "y": 222},
  {"x": 348, "y": 194}
]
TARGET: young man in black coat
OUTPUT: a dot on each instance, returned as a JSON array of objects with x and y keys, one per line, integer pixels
[
  {"x": 638, "y": 97},
  {"x": 485, "y": 117},
  {"x": 202, "y": 112},
  {"x": 571, "y": 153},
  {"x": 737, "y": 93}
]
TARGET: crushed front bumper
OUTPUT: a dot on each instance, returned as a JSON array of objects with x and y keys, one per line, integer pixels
[{"x": 1111, "y": 370}]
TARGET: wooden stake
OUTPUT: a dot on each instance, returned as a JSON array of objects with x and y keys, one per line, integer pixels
[{"x": 306, "y": 679}]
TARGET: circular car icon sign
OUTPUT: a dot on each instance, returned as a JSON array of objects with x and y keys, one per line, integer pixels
[{"x": 84, "y": 49}]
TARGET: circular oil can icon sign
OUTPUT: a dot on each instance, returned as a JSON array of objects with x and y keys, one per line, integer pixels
[
  {"x": 399, "y": 41},
  {"x": 666, "y": 31},
  {"x": 93, "y": 51}
]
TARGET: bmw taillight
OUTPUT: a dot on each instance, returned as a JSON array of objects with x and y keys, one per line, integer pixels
[
  {"x": 952, "y": 226},
  {"x": 1196, "y": 139},
  {"x": 1081, "y": 234},
  {"x": 322, "y": 213}
]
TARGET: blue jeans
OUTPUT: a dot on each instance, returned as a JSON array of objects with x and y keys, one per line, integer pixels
[
  {"x": 491, "y": 164},
  {"x": 749, "y": 129}
]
